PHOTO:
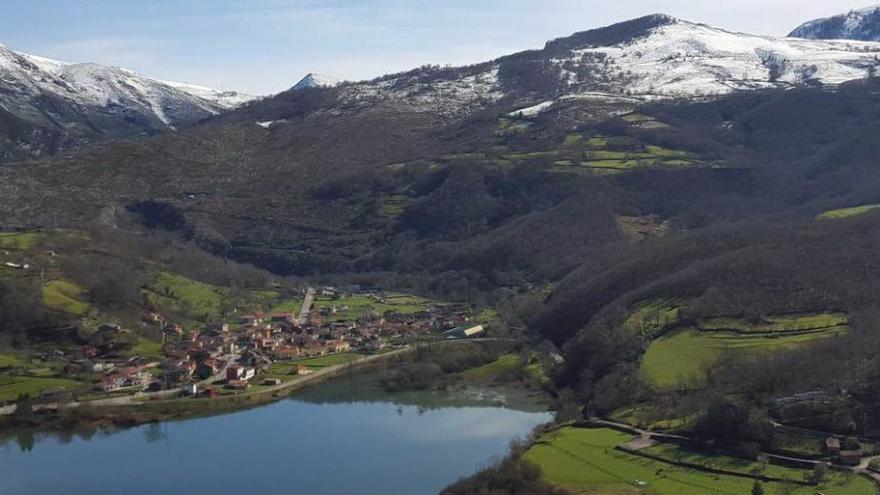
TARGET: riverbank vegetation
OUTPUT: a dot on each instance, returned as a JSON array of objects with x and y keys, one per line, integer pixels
[
  {"x": 426, "y": 367},
  {"x": 514, "y": 474}
]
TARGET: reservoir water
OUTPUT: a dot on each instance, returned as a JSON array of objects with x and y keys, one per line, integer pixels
[{"x": 342, "y": 437}]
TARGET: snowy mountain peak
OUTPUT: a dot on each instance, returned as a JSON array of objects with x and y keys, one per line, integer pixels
[
  {"x": 663, "y": 56},
  {"x": 313, "y": 80},
  {"x": 56, "y": 104},
  {"x": 863, "y": 24},
  {"x": 28, "y": 77},
  {"x": 656, "y": 56},
  {"x": 621, "y": 32}
]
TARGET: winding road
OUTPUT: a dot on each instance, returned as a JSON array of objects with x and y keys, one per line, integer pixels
[{"x": 647, "y": 438}]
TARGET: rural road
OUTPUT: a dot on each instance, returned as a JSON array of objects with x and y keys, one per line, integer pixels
[
  {"x": 645, "y": 437},
  {"x": 306, "y": 307},
  {"x": 172, "y": 394}
]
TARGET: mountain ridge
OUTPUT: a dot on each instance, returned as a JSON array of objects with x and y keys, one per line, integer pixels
[
  {"x": 59, "y": 105},
  {"x": 654, "y": 56},
  {"x": 862, "y": 24}
]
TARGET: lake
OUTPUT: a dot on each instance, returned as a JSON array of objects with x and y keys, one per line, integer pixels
[{"x": 341, "y": 437}]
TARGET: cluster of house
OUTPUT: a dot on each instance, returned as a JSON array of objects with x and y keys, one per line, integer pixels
[
  {"x": 849, "y": 456},
  {"x": 219, "y": 352}
]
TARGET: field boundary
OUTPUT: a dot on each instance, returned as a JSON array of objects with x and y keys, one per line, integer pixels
[{"x": 710, "y": 470}]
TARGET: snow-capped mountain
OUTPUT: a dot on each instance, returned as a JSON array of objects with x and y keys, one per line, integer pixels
[
  {"x": 81, "y": 103},
  {"x": 863, "y": 24},
  {"x": 656, "y": 56},
  {"x": 313, "y": 80}
]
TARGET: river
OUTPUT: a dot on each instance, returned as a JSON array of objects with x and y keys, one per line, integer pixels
[{"x": 343, "y": 437}]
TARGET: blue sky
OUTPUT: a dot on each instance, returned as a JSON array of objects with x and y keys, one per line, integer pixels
[{"x": 265, "y": 46}]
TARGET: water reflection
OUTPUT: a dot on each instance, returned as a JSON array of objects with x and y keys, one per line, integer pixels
[{"x": 329, "y": 441}]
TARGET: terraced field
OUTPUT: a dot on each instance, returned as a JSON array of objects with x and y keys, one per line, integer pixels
[
  {"x": 684, "y": 355},
  {"x": 66, "y": 296},
  {"x": 652, "y": 316},
  {"x": 848, "y": 212},
  {"x": 585, "y": 461},
  {"x": 596, "y": 155},
  {"x": 794, "y": 323}
]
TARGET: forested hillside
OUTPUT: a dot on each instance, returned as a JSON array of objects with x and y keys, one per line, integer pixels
[{"x": 628, "y": 231}]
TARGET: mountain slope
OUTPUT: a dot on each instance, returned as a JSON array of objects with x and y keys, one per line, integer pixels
[
  {"x": 656, "y": 56},
  {"x": 56, "y": 105},
  {"x": 861, "y": 25}
]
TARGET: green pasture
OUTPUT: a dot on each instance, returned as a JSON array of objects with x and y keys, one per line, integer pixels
[
  {"x": 350, "y": 308},
  {"x": 194, "y": 297},
  {"x": 684, "y": 355},
  {"x": 20, "y": 240},
  {"x": 11, "y": 387},
  {"x": 804, "y": 322},
  {"x": 848, "y": 212},
  {"x": 146, "y": 348},
  {"x": 651, "y": 316},
  {"x": 11, "y": 361},
  {"x": 504, "y": 363},
  {"x": 292, "y": 305},
  {"x": 586, "y": 461},
  {"x": 329, "y": 360},
  {"x": 65, "y": 296}
]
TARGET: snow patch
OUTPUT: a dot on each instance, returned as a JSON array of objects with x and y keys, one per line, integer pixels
[
  {"x": 26, "y": 78},
  {"x": 269, "y": 123},
  {"x": 533, "y": 110},
  {"x": 316, "y": 81}
]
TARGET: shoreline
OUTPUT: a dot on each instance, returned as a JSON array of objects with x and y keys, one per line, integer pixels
[
  {"x": 133, "y": 411},
  {"x": 129, "y": 411}
]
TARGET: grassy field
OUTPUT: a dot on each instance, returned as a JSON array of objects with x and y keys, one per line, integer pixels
[
  {"x": 799, "y": 441},
  {"x": 585, "y": 461},
  {"x": 777, "y": 324},
  {"x": 329, "y": 360},
  {"x": 292, "y": 305},
  {"x": 835, "y": 483},
  {"x": 505, "y": 362},
  {"x": 647, "y": 417},
  {"x": 652, "y": 316},
  {"x": 684, "y": 355},
  {"x": 13, "y": 386},
  {"x": 10, "y": 361},
  {"x": 353, "y": 307},
  {"x": 198, "y": 298},
  {"x": 146, "y": 348},
  {"x": 848, "y": 212},
  {"x": 392, "y": 206},
  {"x": 65, "y": 296},
  {"x": 19, "y": 240},
  {"x": 573, "y": 140},
  {"x": 637, "y": 117}
]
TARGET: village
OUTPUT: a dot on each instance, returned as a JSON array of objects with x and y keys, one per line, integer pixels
[{"x": 256, "y": 349}]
